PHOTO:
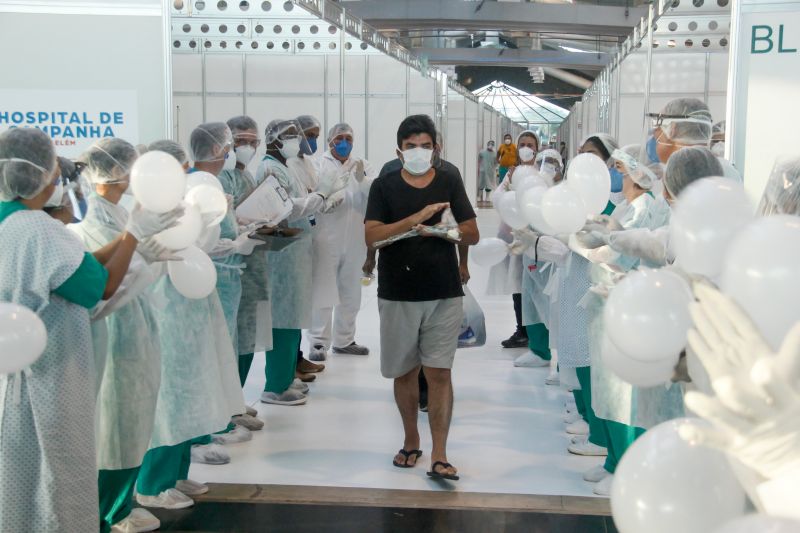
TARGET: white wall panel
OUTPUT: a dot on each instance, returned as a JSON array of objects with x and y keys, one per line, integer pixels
[
  {"x": 224, "y": 73},
  {"x": 386, "y": 114},
  {"x": 188, "y": 114},
  {"x": 221, "y": 108},
  {"x": 187, "y": 72},
  {"x": 454, "y": 135}
]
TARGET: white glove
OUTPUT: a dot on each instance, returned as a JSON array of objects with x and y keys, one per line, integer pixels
[
  {"x": 333, "y": 201},
  {"x": 143, "y": 223},
  {"x": 153, "y": 252},
  {"x": 607, "y": 222},
  {"x": 552, "y": 250},
  {"x": 524, "y": 239},
  {"x": 591, "y": 240},
  {"x": 334, "y": 182},
  {"x": 244, "y": 245},
  {"x": 359, "y": 171},
  {"x": 650, "y": 246},
  {"x": 755, "y": 415}
]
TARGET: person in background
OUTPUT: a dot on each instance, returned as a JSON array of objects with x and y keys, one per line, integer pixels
[
  {"x": 419, "y": 286},
  {"x": 506, "y": 277},
  {"x": 337, "y": 295},
  {"x": 487, "y": 171},
  {"x": 48, "y": 463},
  {"x": 717, "y": 144},
  {"x": 506, "y": 156},
  {"x": 563, "y": 151}
]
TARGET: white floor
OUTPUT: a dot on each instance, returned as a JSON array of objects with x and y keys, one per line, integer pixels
[{"x": 507, "y": 434}]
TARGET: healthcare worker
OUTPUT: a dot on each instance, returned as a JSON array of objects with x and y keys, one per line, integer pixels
[
  {"x": 573, "y": 320},
  {"x": 487, "y": 171},
  {"x": 623, "y": 411},
  {"x": 340, "y": 251},
  {"x": 506, "y": 277},
  {"x": 199, "y": 387},
  {"x": 507, "y": 156},
  {"x": 48, "y": 463},
  {"x": 127, "y": 338},
  {"x": 305, "y": 164},
  {"x": 227, "y": 247},
  {"x": 290, "y": 271},
  {"x": 254, "y": 316}
]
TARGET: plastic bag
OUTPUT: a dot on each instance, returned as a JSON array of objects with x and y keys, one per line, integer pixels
[{"x": 473, "y": 325}]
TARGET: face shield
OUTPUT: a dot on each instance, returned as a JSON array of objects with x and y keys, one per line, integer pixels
[{"x": 782, "y": 193}]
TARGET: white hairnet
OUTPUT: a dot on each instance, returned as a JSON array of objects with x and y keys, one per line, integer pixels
[
  {"x": 108, "y": 160},
  {"x": 687, "y": 165},
  {"x": 607, "y": 142},
  {"x": 27, "y": 160},
  {"x": 685, "y": 121},
  {"x": 782, "y": 193},
  {"x": 277, "y": 128},
  {"x": 636, "y": 171},
  {"x": 170, "y": 147},
  {"x": 206, "y": 137},
  {"x": 307, "y": 122},
  {"x": 241, "y": 123},
  {"x": 339, "y": 129},
  {"x": 550, "y": 154}
]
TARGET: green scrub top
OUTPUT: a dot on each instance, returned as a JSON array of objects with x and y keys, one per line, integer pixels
[{"x": 86, "y": 285}]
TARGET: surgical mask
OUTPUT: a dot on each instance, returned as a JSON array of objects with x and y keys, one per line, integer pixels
[
  {"x": 244, "y": 154},
  {"x": 57, "y": 196},
  {"x": 308, "y": 146},
  {"x": 616, "y": 179},
  {"x": 718, "y": 149},
  {"x": 290, "y": 147},
  {"x": 230, "y": 162},
  {"x": 617, "y": 198},
  {"x": 507, "y": 141},
  {"x": 652, "y": 152},
  {"x": 343, "y": 148},
  {"x": 417, "y": 161},
  {"x": 526, "y": 154},
  {"x": 490, "y": 147},
  {"x": 128, "y": 202}
]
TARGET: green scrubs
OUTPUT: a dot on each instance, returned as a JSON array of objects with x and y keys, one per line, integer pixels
[
  {"x": 539, "y": 340},
  {"x": 619, "y": 438},
  {"x": 115, "y": 488},
  {"x": 596, "y": 435},
  {"x": 163, "y": 467},
  {"x": 282, "y": 359}
]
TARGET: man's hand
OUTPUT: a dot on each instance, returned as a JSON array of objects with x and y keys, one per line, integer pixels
[
  {"x": 369, "y": 264},
  {"x": 463, "y": 270},
  {"x": 427, "y": 212}
]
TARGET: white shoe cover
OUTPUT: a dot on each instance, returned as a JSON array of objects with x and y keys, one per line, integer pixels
[
  {"x": 248, "y": 421},
  {"x": 191, "y": 488},
  {"x": 572, "y": 417},
  {"x": 596, "y": 474},
  {"x": 139, "y": 521},
  {"x": 210, "y": 454},
  {"x": 579, "y": 427},
  {"x": 169, "y": 499},
  {"x": 603, "y": 487},
  {"x": 298, "y": 385},
  {"x": 287, "y": 397},
  {"x": 530, "y": 360},
  {"x": 235, "y": 436}
]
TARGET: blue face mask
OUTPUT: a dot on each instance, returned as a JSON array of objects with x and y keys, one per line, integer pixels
[
  {"x": 616, "y": 179},
  {"x": 652, "y": 152},
  {"x": 308, "y": 146},
  {"x": 343, "y": 148}
]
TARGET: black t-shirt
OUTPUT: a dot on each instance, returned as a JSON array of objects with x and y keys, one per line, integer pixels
[{"x": 420, "y": 268}]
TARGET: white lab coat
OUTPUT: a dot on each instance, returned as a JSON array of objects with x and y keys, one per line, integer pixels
[{"x": 339, "y": 254}]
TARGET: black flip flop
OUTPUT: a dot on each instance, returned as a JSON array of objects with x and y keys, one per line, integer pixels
[
  {"x": 407, "y": 454},
  {"x": 437, "y": 475}
]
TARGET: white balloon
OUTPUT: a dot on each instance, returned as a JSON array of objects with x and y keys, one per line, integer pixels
[
  {"x": 761, "y": 273},
  {"x": 23, "y": 337},
  {"x": 637, "y": 373},
  {"x": 563, "y": 210},
  {"x": 705, "y": 219},
  {"x": 489, "y": 252},
  {"x": 664, "y": 484},
  {"x": 759, "y": 523},
  {"x": 647, "y": 315},
  {"x": 520, "y": 174},
  {"x": 201, "y": 177},
  {"x": 158, "y": 181},
  {"x": 195, "y": 277},
  {"x": 209, "y": 201},
  {"x": 189, "y": 227},
  {"x": 588, "y": 176},
  {"x": 209, "y": 238},
  {"x": 527, "y": 183},
  {"x": 509, "y": 211},
  {"x": 532, "y": 209}
]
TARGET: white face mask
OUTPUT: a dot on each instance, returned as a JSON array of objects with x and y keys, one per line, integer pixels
[
  {"x": 526, "y": 154},
  {"x": 417, "y": 161},
  {"x": 718, "y": 149},
  {"x": 230, "y": 162},
  {"x": 245, "y": 154},
  {"x": 507, "y": 141},
  {"x": 57, "y": 196},
  {"x": 290, "y": 148}
]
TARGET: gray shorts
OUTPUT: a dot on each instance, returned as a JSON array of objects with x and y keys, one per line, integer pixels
[{"x": 418, "y": 333}]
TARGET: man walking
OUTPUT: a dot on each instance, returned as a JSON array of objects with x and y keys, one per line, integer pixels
[{"x": 419, "y": 286}]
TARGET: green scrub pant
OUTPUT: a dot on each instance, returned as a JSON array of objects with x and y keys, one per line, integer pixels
[
  {"x": 502, "y": 174},
  {"x": 596, "y": 434},
  {"x": 282, "y": 359},
  {"x": 619, "y": 438},
  {"x": 115, "y": 488},
  {"x": 245, "y": 362},
  {"x": 539, "y": 340},
  {"x": 163, "y": 467}
]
